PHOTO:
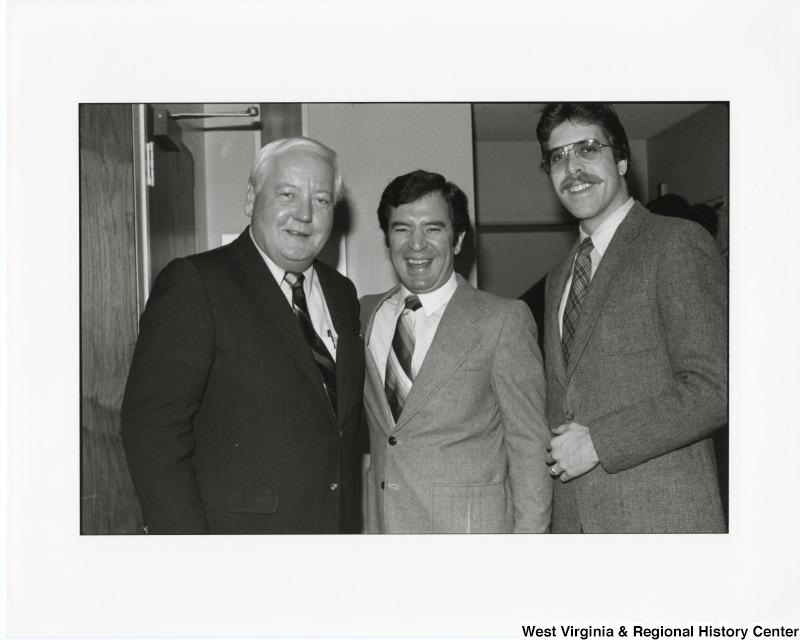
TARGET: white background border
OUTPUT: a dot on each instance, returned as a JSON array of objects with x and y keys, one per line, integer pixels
[{"x": 62, "y": 53}]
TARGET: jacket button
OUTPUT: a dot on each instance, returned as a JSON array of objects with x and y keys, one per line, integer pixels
[
  {"x": 569, "y": 415},
  {"x": 334, "y": 486},
  {"x": 383, "y": 485},
  {"x": 392, "y": 440}
]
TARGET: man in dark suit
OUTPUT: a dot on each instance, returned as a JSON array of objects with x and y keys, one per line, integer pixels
[
  {"x": 245, "y": 388},
  {"x": 635, "y": 346}
]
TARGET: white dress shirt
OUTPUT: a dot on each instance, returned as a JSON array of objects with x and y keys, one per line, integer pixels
[
  {"x": 315, "y": 299},
  {"x": 426, "y": 321},
  {"x": 601, "y": 238}
]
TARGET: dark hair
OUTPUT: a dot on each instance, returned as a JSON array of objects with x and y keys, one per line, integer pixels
[
  {"x": 598, "y": 113},
  {"x": 412, "y": 186},
  {"x": 705, "y": 216},
  {"x": 675, "y": 206},
  {"x": 670, "y": 204}
]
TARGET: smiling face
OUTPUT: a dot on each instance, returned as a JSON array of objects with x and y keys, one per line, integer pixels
[
  {"x": 591, "y": 191},
  {"x": 293, "y": 209},
  {"x": 422, "y": 243}
]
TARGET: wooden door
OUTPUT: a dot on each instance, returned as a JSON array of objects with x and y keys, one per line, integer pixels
[
  {"x": 129, "y": 230},
  {"x": 109, "y": 314},
  {"x": 171, "y": 192}
]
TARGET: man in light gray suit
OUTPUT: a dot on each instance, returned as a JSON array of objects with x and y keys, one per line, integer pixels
[
  {"x": 454, "y": 394},
  {"x": 635, "y": 345}
]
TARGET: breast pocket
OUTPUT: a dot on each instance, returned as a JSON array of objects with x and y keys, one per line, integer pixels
[{"x": 627, "y": 324}]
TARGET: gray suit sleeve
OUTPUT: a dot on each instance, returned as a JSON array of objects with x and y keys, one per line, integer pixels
[
  {"x": 519, "y": 386},
  {"x": 691, "y": 313}
]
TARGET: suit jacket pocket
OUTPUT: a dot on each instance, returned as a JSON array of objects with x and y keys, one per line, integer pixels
[
  {"x": 241, "y": 497},
  {"x": 626, "y": 325},
  {"x": 470, "y": 508}
]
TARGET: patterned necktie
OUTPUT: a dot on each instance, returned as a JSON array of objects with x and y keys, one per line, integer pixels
[
  {"x": 325, "y": 363},
  {"x": 581, "y": 277},
  {"x": 399, "y": 374}
]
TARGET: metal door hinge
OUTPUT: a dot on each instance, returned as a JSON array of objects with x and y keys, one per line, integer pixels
[{"x": 148, "y": 162}]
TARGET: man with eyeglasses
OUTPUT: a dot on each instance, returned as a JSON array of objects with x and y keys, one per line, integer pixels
[
  {"x": 635, "y": 345},
  {"x": 454, "y": 392}
]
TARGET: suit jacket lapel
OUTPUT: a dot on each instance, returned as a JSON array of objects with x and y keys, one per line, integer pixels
[
  {"x": 614, "y": 260},
  {"x": 374, "y": 394},
  {"x": 455, "y": 338},
  {"x": 346, "y": 332},
  {"x": 272, "y": 309}
]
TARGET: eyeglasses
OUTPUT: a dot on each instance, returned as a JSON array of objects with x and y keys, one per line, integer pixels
[{"x": 586, "y": 150}]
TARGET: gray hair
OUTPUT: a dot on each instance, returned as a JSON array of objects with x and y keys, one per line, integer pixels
[{"x": 278, "y": 147}]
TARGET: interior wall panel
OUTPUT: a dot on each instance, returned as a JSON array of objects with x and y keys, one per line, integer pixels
[{"x": 108, "y": 315}]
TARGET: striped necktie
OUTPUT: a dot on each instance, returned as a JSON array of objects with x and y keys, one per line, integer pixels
[
  {"x": 325, "y": 363},
  {"x": 399, "y": 375},
  {"x": 581, "y": 277}
]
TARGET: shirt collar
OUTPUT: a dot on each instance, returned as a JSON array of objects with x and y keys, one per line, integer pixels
[
  {"x": 602, "y": 236},
  {"x": 279, "y": 272},
  {"x": 432, "y": 301}
]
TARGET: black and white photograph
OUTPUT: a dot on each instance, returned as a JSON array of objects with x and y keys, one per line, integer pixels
[
  {"x": 362, "y": 320},
  {"x": 212, "y": 425}
]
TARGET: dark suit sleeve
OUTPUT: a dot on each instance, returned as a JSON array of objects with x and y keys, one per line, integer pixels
[
  {"x": 355, "y": 304},
  {"x": 171, "y": 363},
  {"x": 519, "y": 386},
  {"x": 691, "y": 316}
]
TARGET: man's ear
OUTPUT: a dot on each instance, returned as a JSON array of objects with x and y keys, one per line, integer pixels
[
  {"x": 622, "y": 167},
  {"x": 249, "y": 200},
  {"x": 457, "y": 248}
]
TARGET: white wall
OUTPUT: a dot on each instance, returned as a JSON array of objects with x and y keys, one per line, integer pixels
[
  {"x": 229, "y": 154},
  {"x": 223, "y": 151},
  {"x": 376, "y": 143}
]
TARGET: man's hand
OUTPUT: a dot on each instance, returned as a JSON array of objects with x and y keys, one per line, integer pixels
[{"x": 571, "y": 451}]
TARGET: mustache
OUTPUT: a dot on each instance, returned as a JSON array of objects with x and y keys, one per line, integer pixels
[{"x": 578, "y": 178}]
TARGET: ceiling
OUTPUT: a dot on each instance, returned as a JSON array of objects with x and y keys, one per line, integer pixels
[{"x": 516, "y": 121}]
